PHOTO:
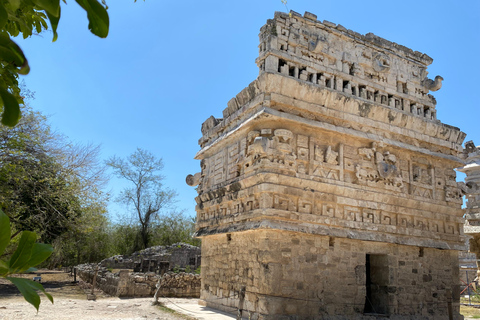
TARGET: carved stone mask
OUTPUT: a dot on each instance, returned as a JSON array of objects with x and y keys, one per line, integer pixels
[{"x": 381, "y": 62}]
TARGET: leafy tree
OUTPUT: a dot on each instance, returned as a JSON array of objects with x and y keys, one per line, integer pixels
[
  {"x": 173, "y": 227},
  {"x": 123, "y": 238},
  {"x": 47, "y": 183},
  {"x": 168, "y": 228},
  {"x": 146, "y": 195},
  {"x": 88, "y": 240},
  {"x": 27, "y": 255},
  {"x": 26, "y": 17}
]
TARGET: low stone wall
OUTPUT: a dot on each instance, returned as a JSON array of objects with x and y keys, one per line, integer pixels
[
  {"x": 132, "y": 284},
  {"x": 180, "y": 285}
]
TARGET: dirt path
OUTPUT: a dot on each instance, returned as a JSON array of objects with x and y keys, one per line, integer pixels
[{"x": 71, "y": 303}]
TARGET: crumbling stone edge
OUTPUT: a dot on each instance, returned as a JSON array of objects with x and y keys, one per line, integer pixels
[{"x": 125, "y": 283}]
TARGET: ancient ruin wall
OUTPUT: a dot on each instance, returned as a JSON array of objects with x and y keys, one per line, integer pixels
[
  {"x": 158, "y": 259},
  {"x": 336, "y": 146},
  {"x": 309, "y": 276},
  {"x": 471, "y": 187},
  {"x": 127, "y": 284}
]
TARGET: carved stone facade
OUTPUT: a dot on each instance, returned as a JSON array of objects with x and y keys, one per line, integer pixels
[
  {"x": 327, "y": 190},
  {"x": 471, "y": 188}
]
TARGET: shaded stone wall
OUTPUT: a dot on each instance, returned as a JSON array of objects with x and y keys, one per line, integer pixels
[
  {"x": 127, "y": 284},
  {"x": 308, "y": 276}
]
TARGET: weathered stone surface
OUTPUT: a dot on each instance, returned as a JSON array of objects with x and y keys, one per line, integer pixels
[
  {"x": 127, "y": 284},
  {"x": 158, "y": 259},
  {"x": 327, "y": 191},
  {"x": 471, "y": 189}
]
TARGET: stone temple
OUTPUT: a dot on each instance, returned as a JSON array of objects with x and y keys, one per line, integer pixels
[{"x": 327, "y": 190}]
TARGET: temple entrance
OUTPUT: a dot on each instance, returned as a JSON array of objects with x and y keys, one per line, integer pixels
[{"x": 376, "y": 300}]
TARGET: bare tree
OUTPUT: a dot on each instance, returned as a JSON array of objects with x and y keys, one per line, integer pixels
[{"x": 147, "y": 194}]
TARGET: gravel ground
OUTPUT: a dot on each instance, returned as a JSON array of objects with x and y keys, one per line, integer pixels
[
  {"x": 70, "y": 302},
  {"x": 65, "y": 308}
]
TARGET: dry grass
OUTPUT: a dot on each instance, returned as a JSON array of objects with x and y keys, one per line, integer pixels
[
  {"x": 174, "y": 312},
  {"x": 470, "y": 312}
]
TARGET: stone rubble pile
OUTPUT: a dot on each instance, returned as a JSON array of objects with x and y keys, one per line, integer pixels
[
  {"x": 133, "y": 284},
  {"x": 157, "y": 259}
]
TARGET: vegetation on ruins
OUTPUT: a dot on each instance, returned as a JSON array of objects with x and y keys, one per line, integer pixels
[
  {"x": 146, "y": 196},
  {"x": 166, "y": 229}
]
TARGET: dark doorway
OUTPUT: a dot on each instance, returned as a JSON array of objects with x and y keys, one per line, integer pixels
[{"x": 377, "y": 276}]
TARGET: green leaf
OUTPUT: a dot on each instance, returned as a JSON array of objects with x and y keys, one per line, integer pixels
[
  {"x": 21, "y": 256},
  {"x": 54, "y": 22},
  {"x": 10, "y": 52},
  {"x": 11, "y": 109},
  {"x": 15, "y": 4},
  {"x": 52, "y": 7},
  {"x": 97, "y": 17},
  {"x": 28, "y": 289},
  {"x": 4, "y": 231},
  {"x": 3, "y": 268},
  {"x": 3, "y": 16},
  {"x": 40, "y": 252}
]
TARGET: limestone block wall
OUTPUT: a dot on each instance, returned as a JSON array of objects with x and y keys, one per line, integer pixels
[
  {"x": 107, "y": 281},
  {"x": 127, "y": 284},
  {"x": 313, "y": 277}
]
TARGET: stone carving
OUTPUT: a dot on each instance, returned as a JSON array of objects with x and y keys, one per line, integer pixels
[
  {"x": 193, "y": 180},
  {"x": 381, "y": 167},
  {"x": 331, "y": 156},
  {"x": 266, "y": 146},
  {"x": 316, "y": 43},
  {"x": 381, "y": 62},
  {"x": 421, "y": 174},
  {"x": 386, "y": 164},
  {"x": 432, "y": 85},
  {"x": 453, "y": 194},
  {"x": 467, "y": 188},
  {"x": 422, "y": 192},
  {"x": 325, "y": 162},
  {"x": 328, "y": 156}
]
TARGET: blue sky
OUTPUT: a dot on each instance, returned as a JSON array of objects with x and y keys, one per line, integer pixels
[{"x": 166, "y": 66}]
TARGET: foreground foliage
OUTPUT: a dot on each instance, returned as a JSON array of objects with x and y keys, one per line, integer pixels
[
  {"x": 27, "y": 255},
  {"x": 26, "y": 17}
]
